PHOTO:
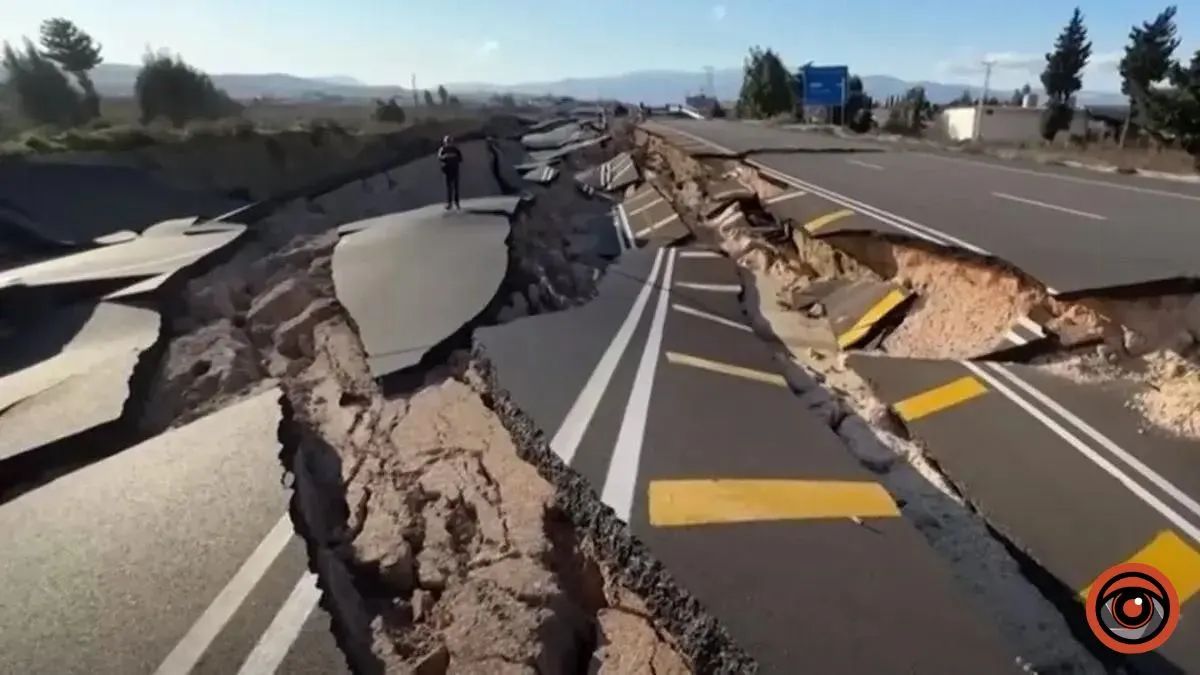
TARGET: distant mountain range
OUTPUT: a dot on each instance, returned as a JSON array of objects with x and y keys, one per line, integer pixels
[
  {"x": 653, "y": 87},
  {"x": 117, "y": 79}
]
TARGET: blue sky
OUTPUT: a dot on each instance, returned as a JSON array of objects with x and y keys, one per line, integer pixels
[{"x": 508, "y": 41}]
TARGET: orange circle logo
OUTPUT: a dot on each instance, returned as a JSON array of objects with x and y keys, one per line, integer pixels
[{"x": 1132, "y": 608}]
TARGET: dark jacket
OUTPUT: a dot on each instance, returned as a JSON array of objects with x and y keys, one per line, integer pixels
[{"x": 450, "y": 157}]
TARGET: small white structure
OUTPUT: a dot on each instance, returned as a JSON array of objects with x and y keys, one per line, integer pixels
[{"x": 1003, "y": 124}]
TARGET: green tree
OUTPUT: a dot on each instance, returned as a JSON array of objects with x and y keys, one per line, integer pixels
[
  {"x": 909, "y": 114},
  {"x": 443, "y": 95},
  {"x": 43, "y": 92},
  {"x": 454, "y": 102},
  {"x": 964, "y": 98},
  {"x": 766, "y": 86},
  {"x": 858, "y": 106},
  {"x": 1183, "y": 111},
  {"x": 75, "y": 52},
  {"x": 428, "y": 99},
  {"x": 388, "y": 111},
  {"x": 168, "y": 87},
  {"x": 1063, "y": 75},
  {"x": 1147, "y": 61}
]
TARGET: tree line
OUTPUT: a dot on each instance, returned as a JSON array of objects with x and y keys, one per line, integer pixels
[
  {"x": 1163, "y": 92},
  {"x": 166, "y": 87}
]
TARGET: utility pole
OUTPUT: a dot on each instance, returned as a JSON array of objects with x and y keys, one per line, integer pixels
[
  {"x": 987, "y": 81},
  {"x": 416, "y": 99},
  {"x": 709, "y": 88}
]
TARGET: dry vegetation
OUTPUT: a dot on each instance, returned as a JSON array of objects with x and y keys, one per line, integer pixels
[{"x": 118, "y": 128}]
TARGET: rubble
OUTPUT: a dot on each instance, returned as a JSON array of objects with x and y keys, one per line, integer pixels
[{"x": 778, "y": 277}]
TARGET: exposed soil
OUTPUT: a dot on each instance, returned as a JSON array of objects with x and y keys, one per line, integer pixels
[
  {"x": 440, "y": 547},
  {"x": 776, "y": 268}
]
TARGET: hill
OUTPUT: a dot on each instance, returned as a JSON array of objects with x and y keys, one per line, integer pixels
[{"x": 654, "y": 87}]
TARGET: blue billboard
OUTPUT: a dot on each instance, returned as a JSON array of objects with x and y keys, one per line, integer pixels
[{"x": 824, "y": 85}]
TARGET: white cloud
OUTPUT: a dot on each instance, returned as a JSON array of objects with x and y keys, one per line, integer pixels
[
  {"x": 719, "y": 12},
  {"x": 488, "y": 48}
]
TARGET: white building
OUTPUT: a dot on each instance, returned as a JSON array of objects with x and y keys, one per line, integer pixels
[{"x": 1004, "y": 124}]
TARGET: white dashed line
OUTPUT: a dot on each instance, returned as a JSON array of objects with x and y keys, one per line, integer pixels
[
  {"x": 716, "y": 288},
  {"x": 790, "y": 194},
  {"x": 684, "y": 309},
  {"x": 1053, "y": 207},
  {"x": 868, "y": 165}
]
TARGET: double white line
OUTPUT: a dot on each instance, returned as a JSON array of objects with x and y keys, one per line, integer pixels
[
  {"x": 621, "y": 479},
  {"x": 1101, "y": 450},
  {"x": 899, "y": 222}
]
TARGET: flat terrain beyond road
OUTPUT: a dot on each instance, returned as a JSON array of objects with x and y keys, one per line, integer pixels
[{"x": 1073, "y": 230}]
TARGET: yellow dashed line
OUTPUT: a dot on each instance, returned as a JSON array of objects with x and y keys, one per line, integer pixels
[
  {"x": 725, "y": 368},
  {"x": 870, "y": 318},
  {"x": 703, "y": 502},
  {"x": 1172, "y": 556},
  {"x": 817, "y": 223},
  {"x": 939, "y": 398}
]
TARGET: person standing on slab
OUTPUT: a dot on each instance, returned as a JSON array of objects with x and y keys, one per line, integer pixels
[{"x": 450, "y": 157}]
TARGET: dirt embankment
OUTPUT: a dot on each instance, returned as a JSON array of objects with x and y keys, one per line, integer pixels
[
  {"x": 255, "y": 165},
  {"x": 443, "y": 540}
]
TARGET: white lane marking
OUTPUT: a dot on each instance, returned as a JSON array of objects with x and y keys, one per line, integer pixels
[
  {"x": 716, "y": 288},
  {"x": 901, "y": 223},
  {"x": 791, "y": 194},
  {"x": 570, "y": 432},
  {"x": 1014, "y": 338},
  {"x": 700, "y": 254},
  {"x": 647, "y": 207},
  {"x": 621, "y": 480},
  {"x": 279, "y": 637},
  {"x": 1097, "y": 459},
  {"x": 637, "y": 196},
  {"x": 898, "y": 222},
  {"x": 1031, "y": 326},
  {"x": 647, "y": 230},
  {"x": 616, "y": 222},
  {"x": 1044, "y": 205},
  {"x": 628, "y": 239},
  {"x": 1105, "y": 442},
  {"x": 187, "y": 653},
  {"x": 865, "y": 164},
  {"x": 1071, "y": 179},
  {"x": 711, "y": 317}
]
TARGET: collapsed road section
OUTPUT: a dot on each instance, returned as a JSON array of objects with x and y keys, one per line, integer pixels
[
  {"x": 1043, "y": 390},
  {"x": 408, "y": 534}
]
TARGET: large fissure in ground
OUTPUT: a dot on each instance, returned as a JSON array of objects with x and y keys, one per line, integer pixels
[
  {"x": 955, "y": 305},
  {"x": 445, "y": 536}
]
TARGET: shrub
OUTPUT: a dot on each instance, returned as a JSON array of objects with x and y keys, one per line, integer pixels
[
  {"x": 44, "y": 94},
  {"x": 388, "y": 111},
  {"x": 167, "y": 87},
  {"x": 1055, "y": 118}
]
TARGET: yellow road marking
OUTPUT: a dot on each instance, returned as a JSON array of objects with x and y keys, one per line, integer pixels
[
  {"x": 1172, "y": 556},
  {"x": 817, "y": 223},
  {"x": 871, "y": 317},
  {"x": 725, "y": 368},
  {"x": 702, "y": 502},
  {"x": 939, "y": 398}
]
